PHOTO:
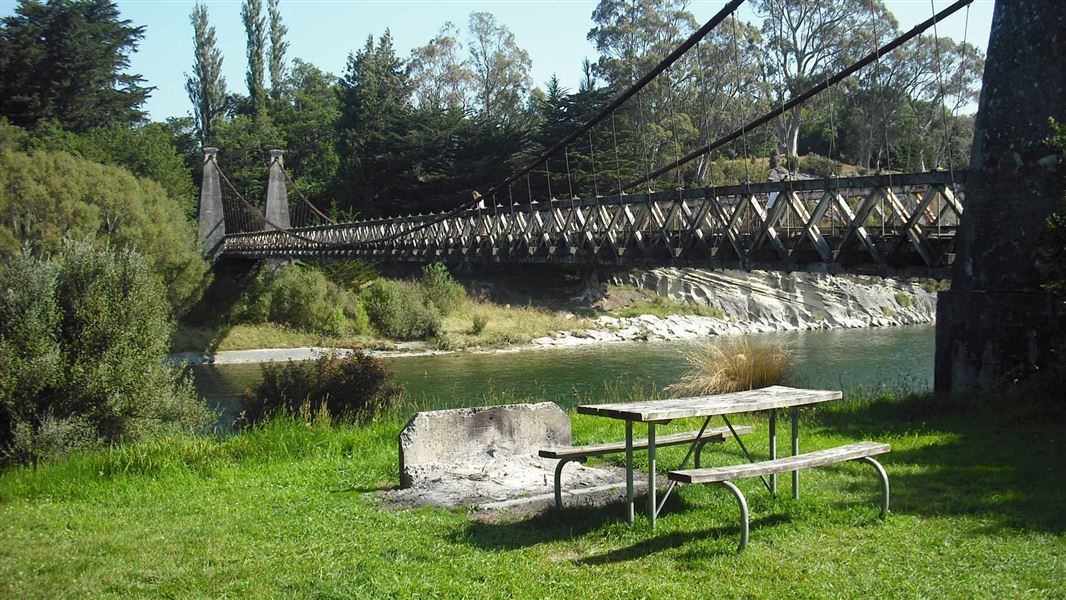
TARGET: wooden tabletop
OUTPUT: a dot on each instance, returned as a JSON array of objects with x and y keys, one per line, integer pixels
[{"x": 776, "y": 396}]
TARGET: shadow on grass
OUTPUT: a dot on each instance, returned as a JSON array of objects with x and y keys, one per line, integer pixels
[
  {"x": 553, "y": 525},
  {"x": 680, "y": 538},
  {"x": 997, "y": 460}
]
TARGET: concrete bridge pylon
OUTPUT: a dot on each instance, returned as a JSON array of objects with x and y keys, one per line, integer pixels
[
  {"x": 210, "y": 216},
  {"x": 997, "y": 319},
  {"x": 277, "y": 198}
]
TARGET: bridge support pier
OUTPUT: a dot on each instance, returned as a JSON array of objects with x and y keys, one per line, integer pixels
[
  {"x": 277, "y": 199},
  {"x": 210, "y": 216},
  {"x": 997, "y": 320}
]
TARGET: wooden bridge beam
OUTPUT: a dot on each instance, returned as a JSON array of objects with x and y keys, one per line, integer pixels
[{"x": 997, "y": 321}]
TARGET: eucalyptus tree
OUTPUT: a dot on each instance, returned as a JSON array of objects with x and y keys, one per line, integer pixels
[
  {"x": 206, "y": 86},
  {"x": 440, "y": 78},
  {"x": 806, "y": 40},
  {"x": 500, "y": 67}
]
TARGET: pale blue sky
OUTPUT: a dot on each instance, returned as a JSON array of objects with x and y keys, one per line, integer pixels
[{"x": 324, "y": 31}]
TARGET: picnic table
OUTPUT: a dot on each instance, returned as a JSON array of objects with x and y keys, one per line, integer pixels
[{"x": 655, "y": 412}]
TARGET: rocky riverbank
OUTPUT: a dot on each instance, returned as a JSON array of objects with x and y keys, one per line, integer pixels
[
  {"x": 730, "y": 303},
  {"x": 759, "y": 302}
]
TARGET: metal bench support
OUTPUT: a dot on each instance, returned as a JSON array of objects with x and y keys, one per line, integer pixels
[
  {"x": 559, "y": 478},
  {"x": 743, "y": 513},
  {"x": 884, "y": 483}
]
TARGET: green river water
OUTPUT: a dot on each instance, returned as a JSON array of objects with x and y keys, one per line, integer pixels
[{"x": 846, "y": 359}]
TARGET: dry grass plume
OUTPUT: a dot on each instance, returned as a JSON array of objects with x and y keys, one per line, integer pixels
[{"x": 734, "y": 365}]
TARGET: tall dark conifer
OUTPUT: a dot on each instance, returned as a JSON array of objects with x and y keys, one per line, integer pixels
[
  {"x": 206, "y": 86},
  {"x": 255, "y": 29},
  {"x": 278, "y": 46},
  {"x": 67, "y": 60}
]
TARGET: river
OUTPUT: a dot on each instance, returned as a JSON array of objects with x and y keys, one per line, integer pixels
[{"x": 846, "y": 359}]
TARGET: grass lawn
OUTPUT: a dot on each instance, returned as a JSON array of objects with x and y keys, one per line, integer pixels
[{"x": 979, "y": 510}]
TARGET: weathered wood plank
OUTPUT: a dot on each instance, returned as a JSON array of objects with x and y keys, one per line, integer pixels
[
  {"x": 716, "y": 434},
  {"x": 705, "y": 406},
  {"x": 780, "y": 465}
]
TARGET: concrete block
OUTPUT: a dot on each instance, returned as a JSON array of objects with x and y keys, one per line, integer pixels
[{"x": 434, "y": 439}]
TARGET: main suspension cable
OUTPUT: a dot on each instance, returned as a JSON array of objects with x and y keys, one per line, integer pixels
[{"x": 805, "y": 96}]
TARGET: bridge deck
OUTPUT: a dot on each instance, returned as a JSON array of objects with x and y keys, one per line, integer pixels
[{"x": 883, "y": 223}]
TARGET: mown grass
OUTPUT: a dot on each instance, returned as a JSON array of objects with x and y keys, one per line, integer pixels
[{"x": 291, "y": 510}]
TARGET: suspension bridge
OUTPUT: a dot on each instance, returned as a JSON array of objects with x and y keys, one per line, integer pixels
[{"x": 891, "y": 223}]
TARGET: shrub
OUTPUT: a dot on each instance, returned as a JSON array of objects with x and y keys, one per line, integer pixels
[
  {"x": 441, "y": 289},
  {"x": 302, "y": 297},
  {"x": 82, "y": 348},
  {"x": 821, "y": 166},
  {"x": 45, "y": 196},
  {"x": 398, "y": 310},
  {"x": 478, "y": 323},
  {"x": 904, "y": 299},
  {"x": 357, "y": 387},
  {"x": 733, "y": 366}
]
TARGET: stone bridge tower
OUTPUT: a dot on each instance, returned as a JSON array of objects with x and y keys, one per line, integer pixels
[{"x": 996, "y": 319}]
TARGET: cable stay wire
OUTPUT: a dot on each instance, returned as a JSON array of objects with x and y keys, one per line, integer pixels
[
  {"x": 805, "y": 96},
  {"x": 608, "y": 110},
  {"x": 300, "y": 193}
]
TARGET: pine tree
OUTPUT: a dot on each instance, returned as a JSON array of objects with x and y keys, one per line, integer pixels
[
  {"x": 255, "y": 29},
  {"x": 67, "y": 61},
  {"x": 206, "y": 86},
  {"x": 278, "y": 46},
  {"x": 374, "y": 122}
]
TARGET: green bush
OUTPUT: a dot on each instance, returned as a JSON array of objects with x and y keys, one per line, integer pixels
[
  {"x": 478, "y": 323},
  {"x": 398, "y": 310},
  {"x": 441, "y": 289},
  {"x": 821, "y": 166},
  {"x": 302, "y": 297},
  {"x": 82, "y": 346},
  {"x": 47, "y": 196},
  {"x": 357, "y": 387}
]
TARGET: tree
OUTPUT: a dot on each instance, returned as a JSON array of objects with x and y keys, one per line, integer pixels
[
  {"x": 308, "y": 120},
  {"x": 807, "y": 39},
  {"x": 501, "y": 68},
  {"x": 83, "y": 342},
  {"x": 633, "y": 35},
  {"x": 46, "y": 196},
  {"x": 439, "y": 78},
  {"x": 206, "y": 86},
  {"x": 372, "y": 127},
  {"x": 255, "y": 30},
  {"x": 67, "y": 60},
  {"x": 278, "y": 45}
]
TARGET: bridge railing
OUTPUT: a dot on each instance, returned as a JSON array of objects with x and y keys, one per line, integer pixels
[{"x": 878, "y": 223}]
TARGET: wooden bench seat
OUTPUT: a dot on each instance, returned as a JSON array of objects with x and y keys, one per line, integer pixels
[
  {"x": 861, "y": 451},
  {"x": 580, "y": 453}
]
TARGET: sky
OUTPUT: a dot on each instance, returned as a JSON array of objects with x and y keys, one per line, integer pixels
[{"x": 323, "y": 32}]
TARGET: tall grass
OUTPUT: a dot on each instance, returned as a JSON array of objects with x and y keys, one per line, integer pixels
[{"x": 734, "y": 365}]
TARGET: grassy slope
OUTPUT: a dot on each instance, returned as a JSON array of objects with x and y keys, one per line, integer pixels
[
  {"x": 978, "y": 511},
  {"x": 506, "y": 325}
]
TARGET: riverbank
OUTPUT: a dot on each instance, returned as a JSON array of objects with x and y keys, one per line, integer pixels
[
  {"x": 292, "y": 509},
  {"x": 633, "y": 306}
]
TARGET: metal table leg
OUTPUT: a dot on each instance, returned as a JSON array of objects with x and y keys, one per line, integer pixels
[
  {"x": 652, "y": 505},
  {"x": 629, "y": 470},
  {"x": 795, "y": 451},
  {"x": 773, "y": 450}
]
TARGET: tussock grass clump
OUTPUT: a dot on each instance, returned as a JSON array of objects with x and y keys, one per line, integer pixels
[{"x": 733, "y": 366}]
